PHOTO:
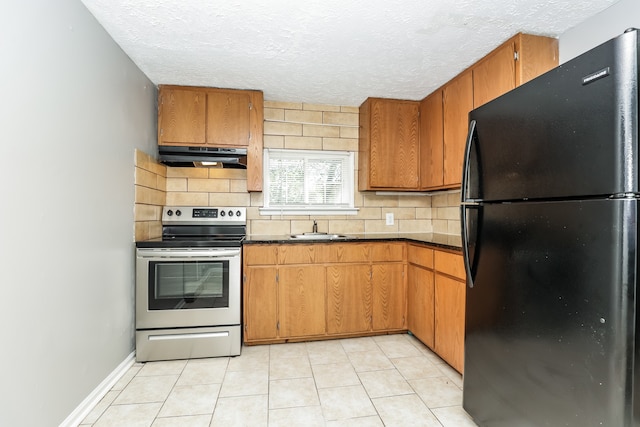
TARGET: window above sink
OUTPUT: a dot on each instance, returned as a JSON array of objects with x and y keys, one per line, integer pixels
[{"x": 308, "y": 182}]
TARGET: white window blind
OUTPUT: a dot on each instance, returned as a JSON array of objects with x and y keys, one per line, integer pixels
[{"x": 296, "y": 180}]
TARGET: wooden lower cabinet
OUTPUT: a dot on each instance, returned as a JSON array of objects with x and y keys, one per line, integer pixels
[
  {"x": 420, "y": 304},
  {"x": 313, "y": 291},
  {"x": 348, "y": 298},
  {"x": 450, "y": 297},
  {"x": 301, "y": 300},
  {"x": 449, "y": 320},
  {"x": 389, "y": 296},
  {"x": 260, "y": 304}
]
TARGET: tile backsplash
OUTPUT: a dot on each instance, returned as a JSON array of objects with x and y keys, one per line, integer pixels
[{"x": 294, "y": 126}]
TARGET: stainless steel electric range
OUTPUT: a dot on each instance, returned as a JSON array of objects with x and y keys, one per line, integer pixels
[{"x": 188, "y": 285}]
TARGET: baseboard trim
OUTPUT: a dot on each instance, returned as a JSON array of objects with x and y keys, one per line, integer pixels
[{"x": 80, "y": 413}]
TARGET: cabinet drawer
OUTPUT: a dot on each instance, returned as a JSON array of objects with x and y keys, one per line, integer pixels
[
  {"x": 345, "y": 252},
  {"x": 300, "y": 254},
  {"x": 449, "y": 263},
  {"x": 260, "y": 254},
  {"x": 387, "y": 252},
  {"x": 420, "y": 255}
]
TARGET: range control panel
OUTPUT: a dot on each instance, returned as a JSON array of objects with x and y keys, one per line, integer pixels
[{"x": 199, "y": 215}]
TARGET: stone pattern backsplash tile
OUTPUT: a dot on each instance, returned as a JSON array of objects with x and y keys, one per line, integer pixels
[{"x": 294, "y": 126}]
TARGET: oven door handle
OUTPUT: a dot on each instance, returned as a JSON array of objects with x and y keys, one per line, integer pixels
[{"x": 172, "y": 253}]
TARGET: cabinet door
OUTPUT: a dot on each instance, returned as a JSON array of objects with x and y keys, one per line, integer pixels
[
  {"x": 389, "y": 296},
  {"x": 394, "y": 133},
  {"x": 228, "y": 118},
  {"x": 348, "y": 298},
  {"x": 301, "y": 301},
  {"x": 260, "y": 304},
  {"x": 495, "y": 75},
  {"x": 449, "y": 320},
  {"x": 457, "y": 102},
  {"x": 431, "y": 141},
  {"x": 181, "y": 116},
  {"x": 420, "y": 303}
]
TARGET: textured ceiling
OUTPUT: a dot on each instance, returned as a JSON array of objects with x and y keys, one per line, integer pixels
[{"x": 330, "y": 52}]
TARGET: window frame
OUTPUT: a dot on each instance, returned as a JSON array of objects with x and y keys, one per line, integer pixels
[{"x": 309, "y": 209}]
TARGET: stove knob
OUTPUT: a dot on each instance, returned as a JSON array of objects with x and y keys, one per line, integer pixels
[
  {"x": 222, "y": 213},
  {"x": 238, "y": 213},
  {"x": 230, "y": 213},
  {"x": 170, "y": 212},
  {"x": 178, "y": 212}
]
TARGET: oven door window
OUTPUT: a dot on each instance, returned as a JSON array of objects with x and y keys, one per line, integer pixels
[{"x": 188, "y": 284}]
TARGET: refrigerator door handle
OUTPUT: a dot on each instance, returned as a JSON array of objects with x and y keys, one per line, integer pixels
[
  {"x": 467, "y": 156},
  {"x": 467, "y": 244},
  {"x": 467, "y": 204}
]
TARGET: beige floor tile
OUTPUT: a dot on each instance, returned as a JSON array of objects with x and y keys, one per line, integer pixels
[
  {"x": 245, "y": 383},
  {"x": 370, "y": 361},
  {"x": 204, "y": 371},
  {"x": 414, "y": 368},
  {"x": 102, "y": 406},
  {"x": 371, "y": 421},
  {"x": 241, "y": 411},
  {"x": 136, "y": 415},
  {"x": 388, "y": 382},
  {"x": 454, "y": 416},
  {"x": 251, "y": 359},
  {"x": 169, "y": 367},
  {"x": 147, "y": 389},
  {"x": 297, "y": 367},
  {"x": 288, "y": 350},
  {"x": 307, "y": 416},
  {"x": 403, "y": 411},
  {"x": 398, "y": 347},
  {"x": 335, "y": 375},
  {"x": 437, "y": 392},
  {"x": 326, "y": 352},
  {"x": 127, "y": 377},
  {"x": 342, "y": 403},
  {"x": 292, "y": 393},
  {"x": 451, "y": 373},
  {"x": 190, "y": 400},
  {"x": 359, "y": 344},
  {"x": 186, "y": 421}
]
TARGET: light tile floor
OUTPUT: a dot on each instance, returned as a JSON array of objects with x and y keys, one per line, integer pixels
[{"x": 390, "y": 380}]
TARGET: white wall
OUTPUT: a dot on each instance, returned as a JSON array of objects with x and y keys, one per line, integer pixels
[
  {"x": 72, "y": 109},
  {"x": 599, "y": 28}
]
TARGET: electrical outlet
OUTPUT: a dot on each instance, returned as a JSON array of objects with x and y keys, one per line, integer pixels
[{"x": 390, "y": 218}]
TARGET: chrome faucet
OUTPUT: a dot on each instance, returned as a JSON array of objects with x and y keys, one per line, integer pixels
[{"x": 315, "y": 226}]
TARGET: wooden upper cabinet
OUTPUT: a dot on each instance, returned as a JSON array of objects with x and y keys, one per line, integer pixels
[
  {"x": 182, "y": 115},
  {"x": 495, "y": 75},
  {"x": 431, "y": 141},
  {"x": 388, "y": 155},
  {"x": 457, "y": 103},
  {"x": 228, "y": 118},
  {"x": 518, "y": 60},
  {"x": 515, "y": 62}
]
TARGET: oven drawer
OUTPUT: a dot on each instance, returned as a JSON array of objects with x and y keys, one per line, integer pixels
[{"x": 188, "y": 343}]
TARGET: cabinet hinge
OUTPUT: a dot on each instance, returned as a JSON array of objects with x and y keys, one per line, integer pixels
[{"x": 516, "y": 55}]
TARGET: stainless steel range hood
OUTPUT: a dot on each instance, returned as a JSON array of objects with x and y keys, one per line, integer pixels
[{"x": 182, "y": 156}]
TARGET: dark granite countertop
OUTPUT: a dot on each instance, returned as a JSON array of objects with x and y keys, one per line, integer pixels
[{"x": 445, "y": 241}]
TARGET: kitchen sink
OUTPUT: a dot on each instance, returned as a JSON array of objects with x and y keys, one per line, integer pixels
[{"x": 318, "y": 236}]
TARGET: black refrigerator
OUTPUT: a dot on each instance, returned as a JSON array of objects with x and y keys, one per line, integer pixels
[{"x": 550, "y": 240}]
